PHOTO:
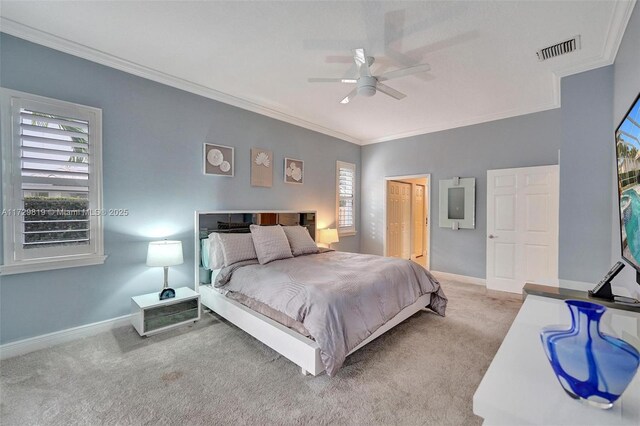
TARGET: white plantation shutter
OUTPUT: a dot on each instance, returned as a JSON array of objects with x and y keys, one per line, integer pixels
[
  {"x": 54, "y": 166},
  {"x": 346, "y": 184},
  {"x": 54, "y": 206}
]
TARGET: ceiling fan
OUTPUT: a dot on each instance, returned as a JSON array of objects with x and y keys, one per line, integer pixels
[{"x": 368, "y": 84}]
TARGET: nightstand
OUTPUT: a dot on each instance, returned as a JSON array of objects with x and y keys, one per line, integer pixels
[{"x": 149, "y": 315}]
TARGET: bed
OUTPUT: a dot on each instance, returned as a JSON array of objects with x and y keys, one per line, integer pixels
[{"x": 315, "y": 308}]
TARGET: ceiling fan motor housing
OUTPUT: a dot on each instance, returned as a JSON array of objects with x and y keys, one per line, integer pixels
[{"x": 367, "y": 86}]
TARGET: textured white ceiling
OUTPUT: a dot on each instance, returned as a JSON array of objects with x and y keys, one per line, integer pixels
[{"x": 482, "y": 54}]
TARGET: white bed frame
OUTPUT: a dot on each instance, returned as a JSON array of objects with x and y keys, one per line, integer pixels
[{"x": 295, "y": 347}]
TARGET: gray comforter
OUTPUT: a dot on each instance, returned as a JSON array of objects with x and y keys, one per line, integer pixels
[{"x": 341, "y": 298}]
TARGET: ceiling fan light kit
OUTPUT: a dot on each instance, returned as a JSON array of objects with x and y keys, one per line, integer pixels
[{"x": 367, "y": 84}]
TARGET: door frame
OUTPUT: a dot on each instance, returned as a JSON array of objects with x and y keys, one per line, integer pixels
[
  {"x": 427, "y": 176},
  {"x": 426, "y": 214}
]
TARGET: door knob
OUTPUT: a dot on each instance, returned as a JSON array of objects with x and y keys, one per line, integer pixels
[{"x": 491, "y": 237}]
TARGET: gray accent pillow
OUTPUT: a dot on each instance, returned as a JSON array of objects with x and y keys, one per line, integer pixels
[
  {"x": 236, "y": 248},
  {"x": 271, "y": 243},
  {"x": 216, "y": 257},
  {"x": 300, "y": 240}
]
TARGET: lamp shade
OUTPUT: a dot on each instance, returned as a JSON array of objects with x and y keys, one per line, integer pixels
[
  {"x": 164, "y": 253},
  {"x": 328, "y": 236}
]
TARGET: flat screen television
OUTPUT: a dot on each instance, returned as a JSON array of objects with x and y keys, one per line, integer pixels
[{"x": 628, "y": 166}]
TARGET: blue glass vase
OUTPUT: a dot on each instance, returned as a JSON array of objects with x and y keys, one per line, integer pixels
[{"x": 590, "y": 365}]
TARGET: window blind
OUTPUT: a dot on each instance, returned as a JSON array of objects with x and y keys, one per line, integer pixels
[
  {"x": 346, "y": 196},
  {"x": 54, "y": 171}
]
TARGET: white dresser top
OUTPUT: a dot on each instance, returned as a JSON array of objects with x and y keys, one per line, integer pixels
[{"x": 520, "y": 387}]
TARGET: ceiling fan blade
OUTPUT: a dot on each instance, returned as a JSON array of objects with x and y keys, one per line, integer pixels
[
  {"x": 338, "y": 59},
  {"x": 390, "y": 91},
  {"x": 403, "y": 72},
  {"x": 332, "y": 80},
  {"x": 352, "y": 94},
  {"x": 330, "y": 45},
  {"x": 360, "y": 58},
  {"x": 444, "y": 44}
]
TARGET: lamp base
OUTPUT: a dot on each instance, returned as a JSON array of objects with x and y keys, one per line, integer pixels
[{"x": 167, "y": 293}]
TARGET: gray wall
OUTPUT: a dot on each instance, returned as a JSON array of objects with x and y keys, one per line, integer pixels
[
  {"x": 586, "y": 160},
  {"x": 581, "y": 130},
  {"x": 152, "y": 149},
  {"x": 626, "y": 85},
  {"x": 530, "y": 140}
]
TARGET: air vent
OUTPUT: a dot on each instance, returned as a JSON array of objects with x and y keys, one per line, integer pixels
[{"x": 558, "y": 49}]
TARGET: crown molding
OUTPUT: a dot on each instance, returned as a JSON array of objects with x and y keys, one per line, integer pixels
[
  {"x": 622, "y": 11},
  {"x": 464, "y": 123},
  {"x": 76, "y": 49}
]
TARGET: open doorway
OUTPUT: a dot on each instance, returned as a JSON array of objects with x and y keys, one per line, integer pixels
[{"x": 407, "y": 206}]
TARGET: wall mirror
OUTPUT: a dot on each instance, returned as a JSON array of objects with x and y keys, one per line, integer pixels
[{"x": 457, "y": 203}]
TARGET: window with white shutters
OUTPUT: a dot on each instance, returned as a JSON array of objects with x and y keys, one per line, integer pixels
[
  {"x": 346, "y": 189},
  {"x": 52, "y": 207}
]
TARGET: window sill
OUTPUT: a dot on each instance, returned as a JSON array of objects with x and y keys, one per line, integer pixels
[
  {"x": 347, "y": 233},
  {"x": 47, "y": 265}
]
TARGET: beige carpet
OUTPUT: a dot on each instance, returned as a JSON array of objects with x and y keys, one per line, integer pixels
[{"x": 424, "y": 371}]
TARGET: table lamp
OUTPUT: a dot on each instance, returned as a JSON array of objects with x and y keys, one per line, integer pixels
[
  {"x": 328, "y": 236},
  {"x": 165, "y": 253}
]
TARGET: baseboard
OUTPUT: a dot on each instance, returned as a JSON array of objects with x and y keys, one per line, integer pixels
[
  {"x": 21, "y": 347},
  {"x": 461, "y": 278}
]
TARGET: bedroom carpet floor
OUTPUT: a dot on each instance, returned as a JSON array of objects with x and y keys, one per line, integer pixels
[{"x": 424, "y": 371}]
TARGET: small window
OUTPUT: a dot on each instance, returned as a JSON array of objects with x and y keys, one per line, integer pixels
[
  {"x": 53, "y": 205},
  {"x": 346, "y": 189}
]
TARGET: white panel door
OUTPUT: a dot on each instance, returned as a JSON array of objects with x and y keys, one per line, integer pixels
[
  {"x": 418, "y": 220},
  {"x": 522, "y": 227}
]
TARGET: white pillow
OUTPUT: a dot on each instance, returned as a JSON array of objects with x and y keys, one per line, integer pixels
[
  {"x": 236, "y": 248},
  {"x": 216, "y": 257},
  {"x": 300, "y": 240},
  {"x": 270, "y": 242}
]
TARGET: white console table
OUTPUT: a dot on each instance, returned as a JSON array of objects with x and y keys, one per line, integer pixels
[{"x": 520, "y": 388}]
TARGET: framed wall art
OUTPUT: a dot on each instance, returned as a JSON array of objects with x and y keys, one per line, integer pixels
[
  {"x": 261, "y": 167},
  {"x": 218, "y": 160},
  {"x": 293, "y": 171}
]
